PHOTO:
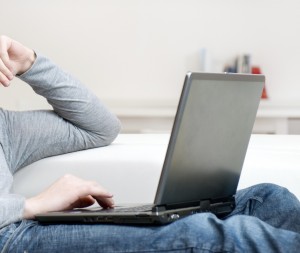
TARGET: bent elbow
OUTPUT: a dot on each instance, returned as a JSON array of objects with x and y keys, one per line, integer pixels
[
  {"x": 110, "y": 133},
  {"x": 113, "y": 132}
]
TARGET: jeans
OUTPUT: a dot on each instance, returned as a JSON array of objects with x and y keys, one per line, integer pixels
[{"x": 266, "y": 219}]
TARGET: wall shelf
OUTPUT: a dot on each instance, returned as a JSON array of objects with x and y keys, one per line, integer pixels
[{"x": 273, "y": 117}]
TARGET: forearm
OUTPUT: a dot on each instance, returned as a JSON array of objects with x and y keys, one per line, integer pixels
[
  {"x": 79, "y": 121},
  {"x": 71, "y": 100}
]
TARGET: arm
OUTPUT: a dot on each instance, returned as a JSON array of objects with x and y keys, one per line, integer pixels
[{"x": 78, "y": 121}]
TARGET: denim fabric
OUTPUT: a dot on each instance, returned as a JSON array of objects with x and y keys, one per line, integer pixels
[{"x": 266, "y": 219}]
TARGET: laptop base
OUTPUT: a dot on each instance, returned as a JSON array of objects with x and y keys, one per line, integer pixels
[{"x": 159, "y": 215}]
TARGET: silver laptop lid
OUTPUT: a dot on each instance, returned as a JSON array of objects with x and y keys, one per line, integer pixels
[{"x": 210, "y": 136}]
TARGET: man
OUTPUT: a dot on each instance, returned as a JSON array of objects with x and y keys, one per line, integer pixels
[{"x": 266, "y": 218}]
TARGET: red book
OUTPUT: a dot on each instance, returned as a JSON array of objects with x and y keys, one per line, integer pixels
[{"x": 257, "y": 71}]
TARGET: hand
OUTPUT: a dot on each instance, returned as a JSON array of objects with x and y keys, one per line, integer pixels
[
  {"x": 67, "y": 193},
  {"x": 15, "y": 59}
]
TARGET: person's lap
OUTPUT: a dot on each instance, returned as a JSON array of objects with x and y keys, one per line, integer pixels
[
  {"x": 239, "y": 232},
  {"x": 270, "y": 203}
]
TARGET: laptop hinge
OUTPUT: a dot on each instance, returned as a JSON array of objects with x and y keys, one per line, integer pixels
[
  {"x": 202, "y": 204},
  {"x": 157, "y": 209},
  {"x": 205, "y": 205}
]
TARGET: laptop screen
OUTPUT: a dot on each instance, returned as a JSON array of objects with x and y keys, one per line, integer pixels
[{"x": 210, "y": 136}]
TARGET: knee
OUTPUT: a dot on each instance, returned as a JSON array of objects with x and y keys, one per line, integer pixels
[
  {"x": 275, "y": 194},
  {"x": 270, "y": 189},
  {"x": 267, "y": 193}
]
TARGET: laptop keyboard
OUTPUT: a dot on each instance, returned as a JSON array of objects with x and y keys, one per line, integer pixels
[
  {"x": 118, "y": 209},
  {"x": 142, "y": 208}
]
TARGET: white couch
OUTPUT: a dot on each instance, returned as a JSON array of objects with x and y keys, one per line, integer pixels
[{"x": 131, "y": 166}]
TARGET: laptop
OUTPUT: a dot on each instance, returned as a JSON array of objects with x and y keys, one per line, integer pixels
[{"x": 204, "y": 158}]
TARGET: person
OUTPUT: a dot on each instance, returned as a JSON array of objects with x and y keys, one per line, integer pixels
[{"x": 266, "y": 217}]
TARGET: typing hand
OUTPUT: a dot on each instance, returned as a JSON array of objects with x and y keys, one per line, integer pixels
[
  {"x": 67, "y": 193},
  {"x": 15, "y": 59}
]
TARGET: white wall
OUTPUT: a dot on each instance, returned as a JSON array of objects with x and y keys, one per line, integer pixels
[{"x": 137, "y": 51}]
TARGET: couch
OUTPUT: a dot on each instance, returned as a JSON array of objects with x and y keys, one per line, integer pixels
[{"x": 130, "y": 167}]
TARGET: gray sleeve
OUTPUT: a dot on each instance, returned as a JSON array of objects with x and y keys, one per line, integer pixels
[
  {"x": 11, "y": 205},
  {"x": 78, "y": 121}
]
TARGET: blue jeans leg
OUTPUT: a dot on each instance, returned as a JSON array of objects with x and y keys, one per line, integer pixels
[
  {"x": 270, "y": 203},
  {"x": 197, "y": 233},
  {"x": 239, "y": 232}
]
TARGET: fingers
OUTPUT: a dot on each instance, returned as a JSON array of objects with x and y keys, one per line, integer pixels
[
  {"x": 6, "y": 74},
  {"x": 83, "y": 188},
  {"x": 83, "y": 202},
  {"x": 106, "y": 203},
  {"x": 4, "y": 80},
  {"x": 102, "y": 196},
  {"x": 89, "y": 200}
]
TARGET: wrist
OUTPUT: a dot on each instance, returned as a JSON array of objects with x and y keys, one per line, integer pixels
[
  {"x": 30, "y": 209},
  {"x": 28, "y": 61}
]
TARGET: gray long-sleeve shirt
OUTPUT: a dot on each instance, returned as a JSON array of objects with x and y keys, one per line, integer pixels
[{"x": 78, "y": 121}]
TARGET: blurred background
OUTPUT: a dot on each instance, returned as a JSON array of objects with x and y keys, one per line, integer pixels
[{"x": 134, "y": 54}]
